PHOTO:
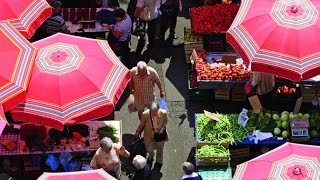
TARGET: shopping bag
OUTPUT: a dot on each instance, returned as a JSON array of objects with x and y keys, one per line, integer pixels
[
  {"x": 163, "y": 104},
  {"x": 131, "y": 106},
  {"x": 53, "y": 162}
]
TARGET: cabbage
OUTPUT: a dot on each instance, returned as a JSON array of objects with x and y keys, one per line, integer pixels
[
  {"x": 300, "y": 115},
  {"x": 306, "y": 116},
  {"x": 284, "y": 124},
  {"x": 276, "y": 131},
  {"x": 285, "y": 134},
  {"x": 285, "y": 112},
  {"x": 284, "y": 117},
  {"x": 275, "y": 117}
]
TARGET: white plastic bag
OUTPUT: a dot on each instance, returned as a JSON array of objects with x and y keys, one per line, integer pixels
[{"x": 243, "y": 117}]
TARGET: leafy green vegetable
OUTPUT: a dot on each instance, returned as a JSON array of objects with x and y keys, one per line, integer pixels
[
  {"x": 212, "y": 151},
  {"x": 226, "y": 130},
  {"x": 108, "y": 131}
]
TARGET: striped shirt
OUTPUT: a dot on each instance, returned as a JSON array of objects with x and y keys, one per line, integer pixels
[
  {"x": 124, "y": 26},
  {"x": 55, "y": 24}
]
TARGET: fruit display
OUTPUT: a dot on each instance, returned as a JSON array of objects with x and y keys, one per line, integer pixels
[
  {"x": 213, "y": 19},
  {"x": 193, "y": 80},
  {"x": 220, "y": 71},
  {"x": 285, "y": 90},
  {"x": 191, "y": 37}
]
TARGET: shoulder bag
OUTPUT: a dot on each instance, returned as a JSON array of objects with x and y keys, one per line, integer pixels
[{"x": 157, "y": 136}]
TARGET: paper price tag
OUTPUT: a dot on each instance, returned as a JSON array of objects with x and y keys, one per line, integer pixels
[
  {"x": 298, "y": 105},
  {"x": 211, "y": 115},
  {"x": 256, "y": 104},
  {"x": 193, "y": 56}
]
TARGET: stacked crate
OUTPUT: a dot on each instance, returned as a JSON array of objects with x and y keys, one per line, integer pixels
[
  {"x": 212, "y": 161},
  {"x": 308, "y": 92},
  {"x": 191, "y": 42}
]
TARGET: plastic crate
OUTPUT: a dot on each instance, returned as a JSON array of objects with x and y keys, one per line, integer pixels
[
  {"x": 210, "y": 173},
  {"x": 196, "y": 94}
]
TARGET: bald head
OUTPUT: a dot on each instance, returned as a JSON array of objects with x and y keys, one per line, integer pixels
[{"x": 142, "y": 68}]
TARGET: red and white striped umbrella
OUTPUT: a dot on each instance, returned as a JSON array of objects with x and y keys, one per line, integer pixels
[
  {"x": 289, "y": 161},
  {"x": 74, "y": 79},
  {"x": 278, "y": 36},
  {"x": 17, "y": 59},
  {"x": 25, "y": 15}
]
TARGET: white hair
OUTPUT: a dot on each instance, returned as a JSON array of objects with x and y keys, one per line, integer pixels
[
  {"x": 105, "y": 143},
  {"x": 142, "y": 65},
  {"x": 154, "y": 107},
  {"x": 139, "y": 162}
]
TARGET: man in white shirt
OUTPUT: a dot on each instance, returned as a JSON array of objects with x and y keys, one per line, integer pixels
[{"x": 151, "y": 8}]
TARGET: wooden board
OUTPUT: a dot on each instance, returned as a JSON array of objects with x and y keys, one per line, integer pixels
[
  {"x": 240, "y": 153},
  {"x": 222, "y": 94},
  {"x": 238, "y": 94}
]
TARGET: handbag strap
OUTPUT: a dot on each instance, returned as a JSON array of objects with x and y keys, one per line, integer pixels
[{"x": 151, "y": 121}]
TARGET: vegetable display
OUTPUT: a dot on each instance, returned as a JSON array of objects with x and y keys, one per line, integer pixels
[
  {"x": 108, "y": 131},
  {"x": 224, "y": 130},
  {"x": 212, "y": 151}
]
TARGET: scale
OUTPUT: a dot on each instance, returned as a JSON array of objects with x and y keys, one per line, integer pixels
[{"x": 299, "y": 130}]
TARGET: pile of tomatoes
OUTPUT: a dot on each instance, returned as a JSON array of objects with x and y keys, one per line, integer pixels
[{"x": 213, "y": 19}]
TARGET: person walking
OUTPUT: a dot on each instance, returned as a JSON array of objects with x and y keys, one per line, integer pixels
[
  {"x": 153, "y": 124},
  {"x": 142, "y": 86},
  {"x": 169, "y": 14},
  {"x": 107, "y": 157},
  {"x": 147, "y": 14}
]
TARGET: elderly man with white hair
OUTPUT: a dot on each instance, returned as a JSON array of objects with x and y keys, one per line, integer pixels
[
  {"x": 142, "y": 86},
  {"x": 107, "y": 157},
  {"x": 153, "y": 122},
  {"x": 143, "y": 169}
]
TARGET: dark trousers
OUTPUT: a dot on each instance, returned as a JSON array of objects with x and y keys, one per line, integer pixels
[
  {"x": 169, "y": 17},
  {"x": 151, "y": 31}
]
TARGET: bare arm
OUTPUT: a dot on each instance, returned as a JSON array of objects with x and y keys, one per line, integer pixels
[{"x": 141, "y": 126}]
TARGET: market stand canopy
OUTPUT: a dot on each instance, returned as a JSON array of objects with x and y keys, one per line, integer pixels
[
  {"x": 288, "y": 161},
  {"x": 280, "y": 37},
  {"x": 25, "y": 15},
  {"x": 74, "y": 79},
  {"x": 99, "y": 174},
  {"x": 17, "y": 59}
]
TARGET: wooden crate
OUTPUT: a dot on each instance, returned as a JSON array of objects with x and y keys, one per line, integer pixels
[
  {"x": 240, "y": 153},
  {"x": 308, "y": 92},
  {"x": 211, "y": 161},
  {"x": 238, "y": 94},
  {"x": 222, "y": 94},
  {"x": 191, "y": 37},
  {"x": 189, "y": 47}
]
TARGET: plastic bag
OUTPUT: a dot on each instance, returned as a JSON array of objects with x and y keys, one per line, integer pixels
[
  {"x": 65, "y": 157},
  {"x": 243, "y": 117},
  {"x": 163, "y": 104},
  {"x": 53, "y": 162}
]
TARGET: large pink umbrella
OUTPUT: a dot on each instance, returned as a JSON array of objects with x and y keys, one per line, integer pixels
[
  {"x": 25, "y": 15},
  {"x": 99, "y": 174},
  {"x": 74, "y": 79},
  {"x": 289, "y": 161},
  {"x": 278, "y": 36}
]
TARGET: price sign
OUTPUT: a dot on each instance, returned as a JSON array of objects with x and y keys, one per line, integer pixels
[
  {"x": 255, "y": 103},
  {"x": 211, "y": 115},
  {"x": 229, "y": 59},
  {"x": 298, "y": 105},
  {"x": 193, "y": 56}
]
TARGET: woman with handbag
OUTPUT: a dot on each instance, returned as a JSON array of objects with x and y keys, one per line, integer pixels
[{"x": 153, "y": 123}]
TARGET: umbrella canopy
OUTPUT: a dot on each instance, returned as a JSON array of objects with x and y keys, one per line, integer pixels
[
  {"x": 17, "y": 59},
  {"x": 278, "y": 36},
  {"x": 74, "y": 79},
  {"x": 25, "y": 15},
  {"x": 99, "y": 174},
  {"x": 289, "y": 161}
]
